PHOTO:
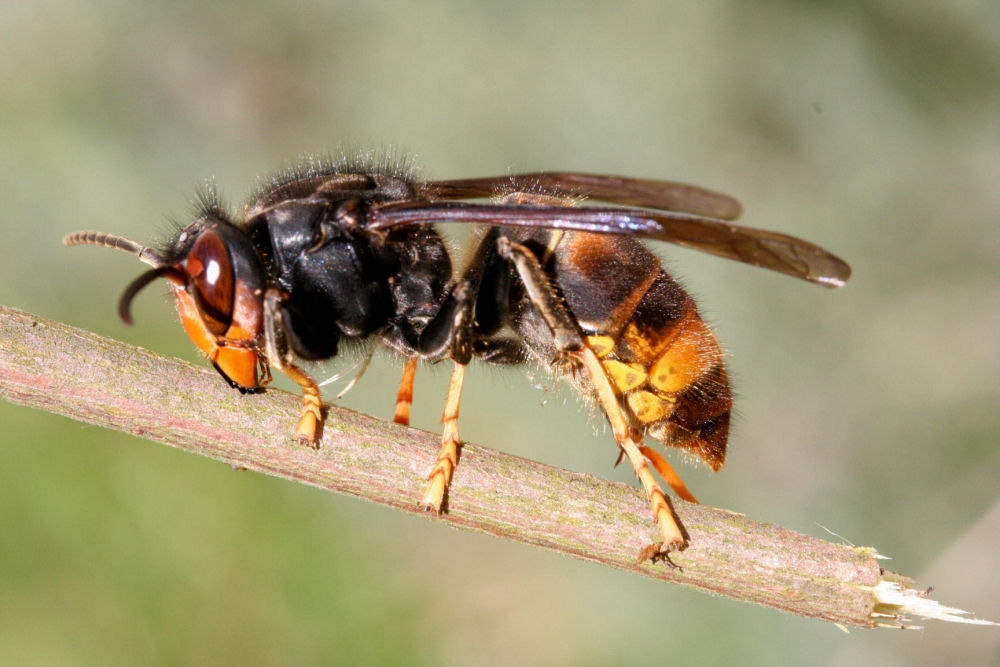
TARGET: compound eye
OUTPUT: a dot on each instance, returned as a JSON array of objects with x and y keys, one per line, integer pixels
[{"x": 210, "y": 274}]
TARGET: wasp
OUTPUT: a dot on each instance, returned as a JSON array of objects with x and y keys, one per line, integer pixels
[{"x": 335, "y": 253}]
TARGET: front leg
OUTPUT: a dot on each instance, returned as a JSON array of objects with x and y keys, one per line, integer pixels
[
  {"x": 279, "y": 354},
  {"x": 404, "y": 396}
]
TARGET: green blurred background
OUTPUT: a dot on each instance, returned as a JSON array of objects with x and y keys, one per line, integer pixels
[{"x": 872, "y": 128}]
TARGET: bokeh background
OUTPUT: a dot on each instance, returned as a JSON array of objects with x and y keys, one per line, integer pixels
[{"x": 872, "y": 128}]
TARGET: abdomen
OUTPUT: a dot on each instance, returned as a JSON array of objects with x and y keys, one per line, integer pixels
[{"x": 661, "y": 357}]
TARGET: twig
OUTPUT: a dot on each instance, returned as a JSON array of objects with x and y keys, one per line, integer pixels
[{"x": 68, "y": 371}]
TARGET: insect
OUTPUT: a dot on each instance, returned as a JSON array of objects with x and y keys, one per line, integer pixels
[{"x": 334, "y": 253}]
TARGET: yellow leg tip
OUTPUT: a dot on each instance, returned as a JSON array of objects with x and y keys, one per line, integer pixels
[
  {"x": 402, "y": 417},
  {"x": 434, "y": 495},
  {"x": 659, "y": 551},
  {"x": 308, "y": 429},
  {"x": 672, "y": 542}
]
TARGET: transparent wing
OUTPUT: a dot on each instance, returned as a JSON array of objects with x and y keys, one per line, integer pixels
[
  {"x": 665, "y": 195},
  {"x": 770, "y": 250}
]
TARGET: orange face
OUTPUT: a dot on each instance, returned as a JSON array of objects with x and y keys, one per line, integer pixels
[
  {"x": 221, "y": 313},
  {"x": 237, "y": 362}
]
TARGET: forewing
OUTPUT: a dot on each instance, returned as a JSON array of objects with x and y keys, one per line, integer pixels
[
  {"x": 770, "y": 250},
  {"x": 665, "y": 195}
]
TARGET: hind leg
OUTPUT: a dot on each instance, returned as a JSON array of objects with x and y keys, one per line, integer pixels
[{"x": 573, "y": 348}]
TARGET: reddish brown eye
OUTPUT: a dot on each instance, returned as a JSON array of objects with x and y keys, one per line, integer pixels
[{"x": 210, "y": 273}]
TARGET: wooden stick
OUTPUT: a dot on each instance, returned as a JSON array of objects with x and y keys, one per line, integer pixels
[{"x": 79, "y": 374}]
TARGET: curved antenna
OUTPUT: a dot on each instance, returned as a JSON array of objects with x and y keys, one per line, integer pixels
[
  {"x": 148, "y": 255},
  {"x": 134, "y": 287}
]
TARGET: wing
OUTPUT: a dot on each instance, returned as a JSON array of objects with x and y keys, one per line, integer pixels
[
  {"x": 770, "y": 250},
  {"x": 665, "y": 195}
]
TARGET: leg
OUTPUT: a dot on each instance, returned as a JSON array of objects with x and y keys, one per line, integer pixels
[
  {"x": 662, "y": 466},
  {"x": 570, "y": 342},
  {"x": 667, "y": 472},
  {"x": 440, "y": 476},
  {"x": 279, "y": 354},
  {"x": 451, "y": 332},
  {"x": 404, "y": 397},
  {"x": 630, "y": 442},
  {"x": 309, "y": 428}
]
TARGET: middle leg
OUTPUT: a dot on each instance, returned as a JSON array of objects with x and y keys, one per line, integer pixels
[
  {"x": 440, "y": 475},
  {"x": 404, "y": 397}
]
